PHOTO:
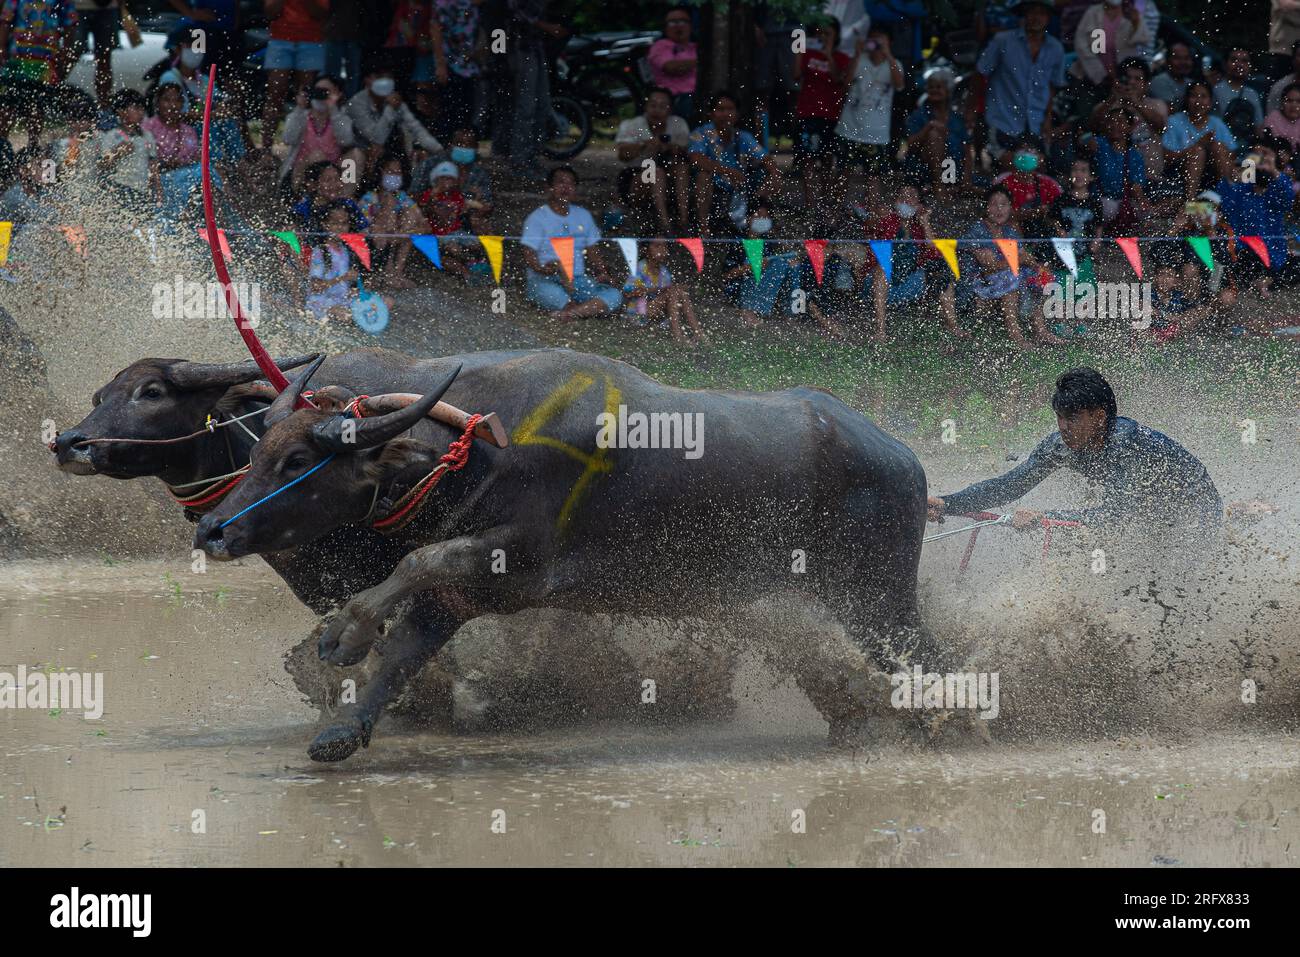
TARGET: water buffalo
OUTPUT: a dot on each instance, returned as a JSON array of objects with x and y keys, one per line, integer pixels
[{"x": 616, "y": 494}]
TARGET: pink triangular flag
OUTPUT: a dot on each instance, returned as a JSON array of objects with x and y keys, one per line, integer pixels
[
  {"x": 1257, "y": 244},
  {"x": 816, "y": 249},
  {"x": 696, "y": 246},
  {"x": 357, "y": 243},
  {"x": 221, "y": 241},
  {"x": 1130, "y": 247}
]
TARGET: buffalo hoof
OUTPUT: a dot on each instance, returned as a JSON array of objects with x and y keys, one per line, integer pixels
[
  {"x": 347, "y": 639},
  {"x": 340, "y": 741}
]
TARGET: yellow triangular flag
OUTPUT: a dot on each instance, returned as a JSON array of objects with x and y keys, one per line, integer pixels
[
  {"x": 563, "y": 246},
  {"x": 6, "y": 233},
  {"x": 492, "y": 244},
  {"x": 948, "y": 248},
  {"x": 1011, "y": 251}
]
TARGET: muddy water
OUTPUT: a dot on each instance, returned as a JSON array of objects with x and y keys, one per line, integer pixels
[{"x": 201, "y": 722}]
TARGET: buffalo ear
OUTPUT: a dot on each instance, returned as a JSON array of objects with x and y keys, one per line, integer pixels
[
  {"x": 197, "y": 376},
  {"x": 384, "y": 462}
]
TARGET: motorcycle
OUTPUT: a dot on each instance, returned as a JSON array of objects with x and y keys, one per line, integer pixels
[{"x": 597, "y": 81}]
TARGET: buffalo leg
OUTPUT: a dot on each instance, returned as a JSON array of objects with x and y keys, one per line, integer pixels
[
  {"x": 464, "y": 561},
  {"x": 415, "y": 638}
]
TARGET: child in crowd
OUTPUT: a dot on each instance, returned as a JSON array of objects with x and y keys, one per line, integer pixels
[
  {"x": 445, "y": 205},
  {"x": 391, "y": 210},
  {"x": 1175, "y": 310},
  {"x": 1121, "y": 172},
  {"x": 1031, "y": 192},
  {"x": 128, "y": 155},
  {"x": 1077, "y": 215},
  {"x": 915, "y": 264},
  {"x": 331, "y": 276},
  {"x": 650, "y": 296}
]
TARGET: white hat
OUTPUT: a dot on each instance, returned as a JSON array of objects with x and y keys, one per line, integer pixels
[
  {"x": 1210, "y": 195},
  {"x": 445, "y": 168}
]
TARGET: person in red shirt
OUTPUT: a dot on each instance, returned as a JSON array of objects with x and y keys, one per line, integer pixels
[
  {"x": 916, "y": 266},
  {"x": 822, "y": 76},
  {"x": 294, "y": 54},
  {"x": 1032, "y": 192},
  {"x": 445, "y": 205}
]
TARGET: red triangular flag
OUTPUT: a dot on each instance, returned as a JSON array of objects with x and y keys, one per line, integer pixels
[
  {"x": 816, "y": 249},
  {"x": 1257, "y": 244},
  {"x": 357, "y": 243},
  {"x": 696, "y": 246},
  {"x": 1130, "y": 247},
  {"x": 221, "y": 241}
]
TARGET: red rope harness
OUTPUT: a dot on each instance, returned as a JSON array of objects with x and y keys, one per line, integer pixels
[
  {"x": 453, "y": 460},
  {"x": 205, "y": 497}
]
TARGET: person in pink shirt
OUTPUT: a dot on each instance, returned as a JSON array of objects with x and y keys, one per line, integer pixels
[
  {"x": 1284, "y": 122},
  {"x": 673, "y": 60}
]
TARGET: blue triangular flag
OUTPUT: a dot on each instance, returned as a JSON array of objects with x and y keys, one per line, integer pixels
[
  {"x": 429, "y": 246},
  {"x": 884, "y": 252}
]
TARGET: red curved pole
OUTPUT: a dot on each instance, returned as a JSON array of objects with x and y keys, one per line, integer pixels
[{"x": 255, "y": 347}]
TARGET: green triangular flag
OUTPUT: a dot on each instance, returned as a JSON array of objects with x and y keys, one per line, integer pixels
[
  {"x": 754, "y": 250},
  {"x": 291, "y": 238},
  {"x": 1201, "y": 245}
]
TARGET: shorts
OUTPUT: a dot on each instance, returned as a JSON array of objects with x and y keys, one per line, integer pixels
[
  {"x": 874, "y": 157},
  {"x": 103, "y": 25},
  {"x": 816, "y": 139},
  {"x": 303, "y": 56},
  {"x": 552, "y": 296}
]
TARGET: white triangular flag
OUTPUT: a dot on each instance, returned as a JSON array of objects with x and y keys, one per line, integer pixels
[
  {"x": 1065, "y": 249},
  {"x": 629, "y": 253}
]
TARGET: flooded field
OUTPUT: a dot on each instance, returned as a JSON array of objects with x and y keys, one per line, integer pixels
[{"x": 199, "y": 759}]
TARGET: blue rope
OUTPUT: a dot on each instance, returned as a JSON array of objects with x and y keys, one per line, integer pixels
[{"x": 282, "y": 488}]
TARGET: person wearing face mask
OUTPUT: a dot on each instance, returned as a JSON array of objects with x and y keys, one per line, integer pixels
[
  {"x": 391, "y": 212},
  {"x": 758, "y": 299},
  {"x": 1260, "y": 209},
  {"x": 316, "y": 129},
  {"x": 474, "y": 180},
  {"x": 1031, "y": 192},
  {"x": 378, "y": 112}
]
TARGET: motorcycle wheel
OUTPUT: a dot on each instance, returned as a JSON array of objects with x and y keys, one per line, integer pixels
[{"x": 571, "y": 129}]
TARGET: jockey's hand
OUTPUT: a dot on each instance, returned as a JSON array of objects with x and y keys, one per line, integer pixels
[
  {"x": 934, "y": 508},
  {"x": 1025, "y": 518}
]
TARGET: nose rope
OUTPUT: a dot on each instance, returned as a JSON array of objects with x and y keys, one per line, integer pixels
[
  {"x": 210, "y": 426},
  {"x": 283, "y": 488}
]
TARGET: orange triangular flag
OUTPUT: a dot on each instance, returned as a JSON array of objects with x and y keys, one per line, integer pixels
[
  {"x": 948, "y": 248},
  {"x": 221, "y": 241},
  {"x": 1257, "y": 244},
  {"x": 563, "y": 246},
  {"x": 357, "y": 243},
  {"x": 1130, "y": 247},
  {"x": 816, "y": 249},
  {"x": 1011, "y": 252},
  {"x": 696, "y": 246},
  {"x": 76, "y": 235},
  {"x": 492, "y": 246}
]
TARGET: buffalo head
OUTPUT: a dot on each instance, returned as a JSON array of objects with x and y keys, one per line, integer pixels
[
  {"x": 335, "y": 464},
  {"x": 150, "y": 399}
]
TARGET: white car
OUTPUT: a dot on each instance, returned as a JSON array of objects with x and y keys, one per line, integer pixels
[{"x": 129, "y": 64}]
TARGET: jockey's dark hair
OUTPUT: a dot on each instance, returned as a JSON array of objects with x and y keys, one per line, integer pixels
[{"x": 1084, "y": 388}]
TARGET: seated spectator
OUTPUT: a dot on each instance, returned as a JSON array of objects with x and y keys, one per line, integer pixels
[
  {"x": 74, "y": 152},
  {"x": 473, "y": 177},
  {"x": 449, "y": 211},
  {"x": 1171, "y": 85},
  {"x": 1031, "y": 192},
  {"x": 331, "y": 274},
  {"x": 1130, "y": 90},
  {"x": 22, "y": 203},
  {"x": 378, "y": 113},
  {"x": 588, "y": 293},
  {"x": 1284, "y": 122},
  {"x": 660, "y": 139},
  {"x": 1121, "y": 172},
  {"x": 1023, "y": 67},
  {"x": 728, "y": 162},
  {"x": 672, "y": 60},
  {"x": 1275, "y": 92},
  {"x": 822, "y": 75},
  {"x": 178, "y": 152},
  {"x": 1198, "y": 147},
  {"x": 862, "y": 135},
  {"x": 323, "y": 184},
  {"x": 986, "y": 275},
  {"x": 1078, "y": 215},
  {"x": 650, "y": 296},
  {"x": 1176, "y": 310},
  {"x": 936, "y": 133},
  {"x": 128, "y": 155},
  {"x": 391, "y": 211},
  {"x": 1119, "y": 24},
  {"x": 316, "y": 129},
  {"x": 1260, "y": 209},
  {"x": 295, "y": 53},
  {"x": 1234, "y": 101},
  {"x": 1203, "y": 217}
]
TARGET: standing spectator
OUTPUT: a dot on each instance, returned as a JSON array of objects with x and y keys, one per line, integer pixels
[
  {"x": 99, "y": 20},
  {"x": 456, "y": 71},
  {"x": 1171, "y": 85},
  {"x": 1274, "y": 99},
  {"x": 822, "y": 74},
  {"x": 936, "y": 133},
  {"x": 1198, "y": 146},
  {"x": 1236, "y": 102},
  {"x": 407, "y": 47},
  {"x": 1024, "y": 68},
  {"x": 1284, "y": 122},
  {"x": 1130, "y": 91},
  {"x": 378, "y": 112},
  {"x": 1283, "y": 34},
  {"x": 128, "y": 155},
  {"x": 728, "y": 162},
  {"x": 530, "y": 112},
  {"x": 862, "y": 135},
  {"x": 660, "y": 138},
  {"x": 672, "y": 62},
  {"x": 342, "y": 48},
  {"x": 294, "y": 55},
  {"x": 775, "y": 87},
  {"x": 588, "y": 293},
  {"x": 222, "y": 31},
  {"x": 1119, "y": 27},
  {"x": 318, "y": 130},
  {"x": 37, "y": 49},
  {"x": 1260, "y": 209}
]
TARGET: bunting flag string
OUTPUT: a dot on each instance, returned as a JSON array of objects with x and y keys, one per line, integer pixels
[
  {"x": 492, "y": 246},
  {"x": 357, "y": 243},
  {"x": 1201, "y": 246},
  {"x": 696, "y": 246},
  {"x": 428, "y": 245},
  {"x": 754, "y": 253},
  {"x": 816, "y": 250},
  {"x": 628, "y": 247},
  {"x": 563, "y": 246},
  {"x": 289, "y": 237},
  {"x": 221, "y": 242},
  {"x": 6, "y": 234},
  {"x": 76, "y": 237},
  {"x": 1064, "y": 247},
  {"x": 1257, "y": 244}
]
